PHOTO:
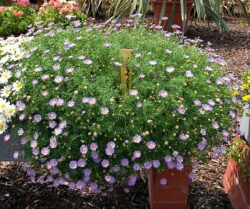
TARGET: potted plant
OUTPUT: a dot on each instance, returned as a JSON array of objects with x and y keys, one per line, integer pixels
[
  {"x": 178, "y": 12},
  {"x": 237, "y": 176},
  {"x": 78, "y": 126}
]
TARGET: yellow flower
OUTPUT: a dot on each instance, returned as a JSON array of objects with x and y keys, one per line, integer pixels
[
  {"x": 245, "y": 86},
  {"x": 235, "y": 93},
  {"x": 246, "y": 98}
]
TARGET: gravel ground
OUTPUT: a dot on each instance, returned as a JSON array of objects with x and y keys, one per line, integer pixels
[{"x": 206, "y": 192}]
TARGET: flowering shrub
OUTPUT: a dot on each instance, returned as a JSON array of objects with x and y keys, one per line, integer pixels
[
  {"x": 15, "y": 19},
  {"x": 10, "y": 52},
  {"x": 77, "y": 126},
  {"x": 59, "y": 12}
]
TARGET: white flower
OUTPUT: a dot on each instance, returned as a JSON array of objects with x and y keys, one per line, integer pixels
[
  {"x": 3, "y": 126},
  {"x": 6, "y": 91},
  {"x": 3, "y": 105},
  {"x": 153, "y": 62},
  {"x": 5, "y": 76},
  {"x": 170, "y": 69},
  {"x": 17, "y": 85}
]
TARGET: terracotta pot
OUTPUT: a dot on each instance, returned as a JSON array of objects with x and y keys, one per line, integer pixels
[
  {"x": 237, "y": 187},
  {"x": 174, "y": 194},
  {"x": 157, "y": 6}
]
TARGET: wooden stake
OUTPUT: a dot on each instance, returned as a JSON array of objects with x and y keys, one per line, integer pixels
[{"x": 126, "y": 74}]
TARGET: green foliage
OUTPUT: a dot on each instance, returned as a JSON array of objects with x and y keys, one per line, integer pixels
[
  {"x": 14, "y": 20},
  {"x": 80, "y": 69}
]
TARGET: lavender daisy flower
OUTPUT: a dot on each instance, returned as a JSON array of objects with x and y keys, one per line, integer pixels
[
  {"x": 93, "y": 146},
  {"x": 208, "y": 68},
  {"x": 84, "y": 149},
  {"x": 189, "y": 74},
  {"x": 163, "y": 181},
  {"x": 151, "y": 145},
  {"x": 24, "y": 140},
  {"x": 20, "y": 132},
  {"x": 197, "y": 102},
  {"x": 93, "y": 186},
  {"x": 56, "y": 67},
  {"x": 81, "y": 163},
  {"x": 71, "y": 185},
  {"x": 33, "y": 143},
  {"x": 45, "y": 151},
  {"x": 22, "y": 117},
  {"x": 95, "y": 155},
  {"x": 207, "y": 107},
  {"x": 215, "y": 125},
  {"x": 132, "y": 180},
  {"x": 63, "y": 124},
  {"x": 191, "y": 176},
  {"x": 179, "y": 166},
  {"x": 137, "y": 139},
  {"x": 136, "y": 167},
  {"x": 37, "y": 118},
  {"x": 168, "y": 159},
  {"x": 202, "y": 144},
  {"x": 203, "y": 132},
  {"x": 87, "y": 62},
  {"x": 52, "y": 124},
  {"x": 164, "y": 18},
  {"x": 105, "y": 163},
  {"x": 181, "y": 110},
  {"x": 59, "y": 102},
  {"x": 73, "y": 165},
  {"x": 124, "y": 162},
  {"x": 20, "y": 106},
  {"x": 7, "y": 137},
  {"x": 163, "y": 93},
  {"x": 53, "y": 143},
  {"x": 179, "y": 159},
  {"x": 80, "y": 185},
  {"x": 53, "y": 102},
  {"x": 85, "y": 100},
  {"x": 171, "y": 165},
  {"x": 110, "y": 179},
  {"x": 148, "y": 165},
  {"x": 133, "y": 92},
  {"x": 76, "y": 23},
  {"x": 58, "y": 131},
  {"x": 52, "y": 115},
  {"x": 58, "y": 79},
  {"x": 92, "y": 101},
  {"x": 184, "y": 137},
  {"x": 136, "y": 154},
  {"x": 156, "y": 163},
  {"x": 109, "y": 151},
  {"x": 138, "y": 104},
  {"x": 104, "y": 111},
  {"x": 174, "y": 26}
]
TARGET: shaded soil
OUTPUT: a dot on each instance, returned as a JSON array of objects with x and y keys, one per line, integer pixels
[
  {"x": 233, "y": 46},
  {"x": 18, "y": 193},
  {"x": 206, "y": 192}
]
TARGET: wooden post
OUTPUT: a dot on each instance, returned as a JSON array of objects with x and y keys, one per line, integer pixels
[{"x": 126, "y": 74}]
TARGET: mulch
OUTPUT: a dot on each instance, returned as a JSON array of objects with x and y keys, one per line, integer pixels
[{"x": 205, "y": 192}]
